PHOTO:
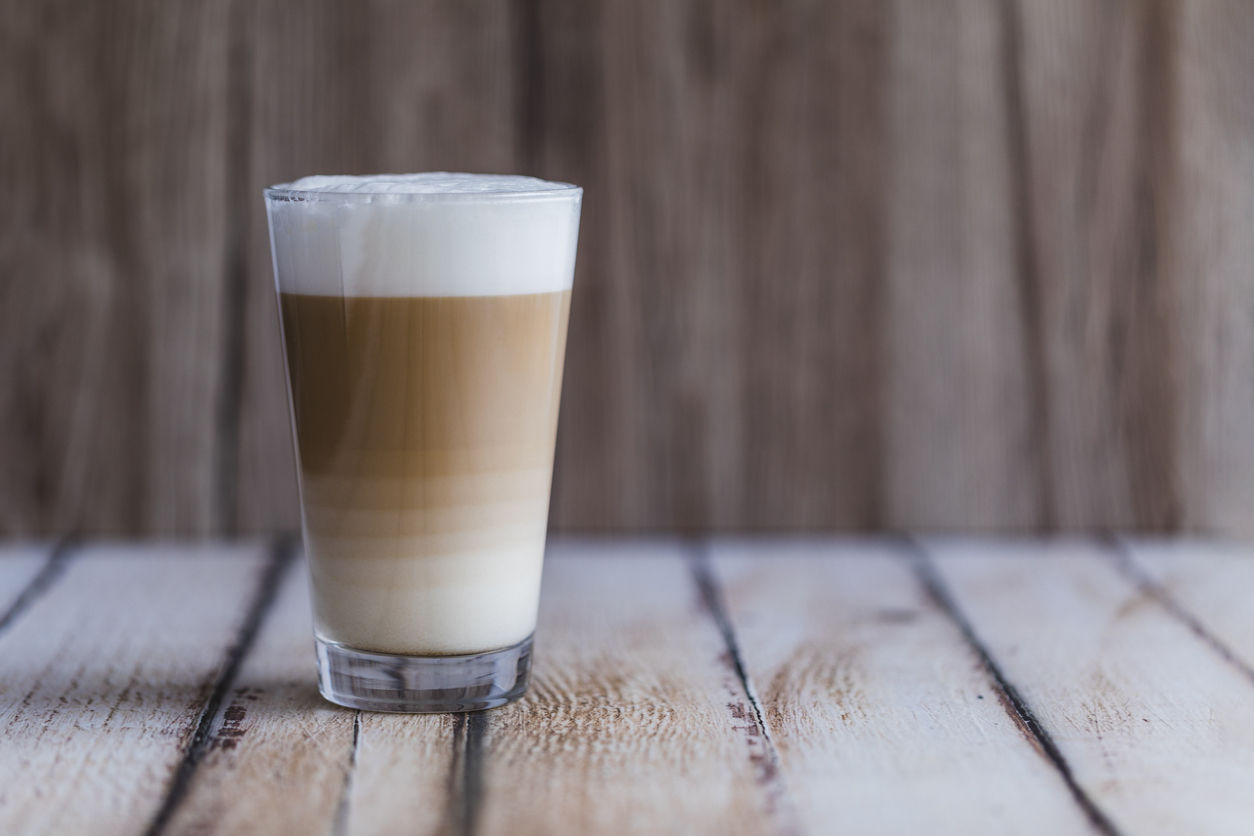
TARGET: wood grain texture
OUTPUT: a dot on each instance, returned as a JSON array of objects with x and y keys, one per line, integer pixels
[
  {"x": 1087, "y": 86},
  {"x": 636, "y": 721},
  {"x": 111, "y": 250},
  {"x": 782, "y": 686},
  {"x": 849, "y": 264},
  {"x": 103, "y": 679},
  {"x": 273, "y": 735},
  {"x": 1206, "y": 246},
  {"x": 960, "y": 415},
  {"x": 882, "y": 715},
  {"x": 281, "y": 759},
  {"x": 19, "y": 566},
  {"x": 1210, "y": 583},
  {"x": 730, "y": 353},
  {"x": 407, "y": 776},
  {"x": 1153, "y": 724},
  {"x": 640, "y": 100}
]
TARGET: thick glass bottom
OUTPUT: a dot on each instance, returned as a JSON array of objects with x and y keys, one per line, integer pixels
[{"x": 422, "y": 684}]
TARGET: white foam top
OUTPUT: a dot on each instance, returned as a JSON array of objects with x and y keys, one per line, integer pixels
[{"x": 434, "y": 234}]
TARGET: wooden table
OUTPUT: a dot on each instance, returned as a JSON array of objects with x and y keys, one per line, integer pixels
[{"x": 723, "y": 687}]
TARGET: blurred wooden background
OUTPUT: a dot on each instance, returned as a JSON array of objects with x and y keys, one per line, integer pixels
[{"x": 878, "y": 264}]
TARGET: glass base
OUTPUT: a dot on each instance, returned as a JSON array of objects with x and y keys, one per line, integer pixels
[{"x": 422, "y": 684}]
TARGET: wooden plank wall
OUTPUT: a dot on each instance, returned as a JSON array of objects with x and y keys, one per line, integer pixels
[{"x": 855, "y": 264}]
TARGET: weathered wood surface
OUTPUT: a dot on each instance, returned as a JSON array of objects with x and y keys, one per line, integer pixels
[
  {"x": 849, "y": 264},
  {"x": 636, "y": 720},
  {"x": 1214, "y": 602},
  {"x": 23, "y": 564},
  {"x": 740, "y": 686},
  {"x": 113, "y": 256},
  {"x": 271, "y": 714},
  {"x": 103, "y": 680},
  {"x": 1152, "y": 721},
  {"x": 883, "y": 718}
]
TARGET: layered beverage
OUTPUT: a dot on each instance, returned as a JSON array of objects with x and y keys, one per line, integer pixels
[{"x": 424, "y": 325}]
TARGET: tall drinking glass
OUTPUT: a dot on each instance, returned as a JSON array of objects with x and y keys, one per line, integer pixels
[{"x": 424, "y": 327}]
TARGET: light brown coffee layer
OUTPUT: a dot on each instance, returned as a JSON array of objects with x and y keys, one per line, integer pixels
[{"x": 425, "y": 431}]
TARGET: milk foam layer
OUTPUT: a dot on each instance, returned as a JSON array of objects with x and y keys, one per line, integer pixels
[{"x": 435, "y": 234}]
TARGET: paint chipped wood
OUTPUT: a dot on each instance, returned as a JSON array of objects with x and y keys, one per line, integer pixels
[
  {"x": 274, "y": 735},
  {"x": 882, "y": 715},
  {"x": 1151, "y": 722},
  {"x": 406, "y": 776},
  {"x": 103, "y": 679},
  {"x": 742, "y": 686},
  {"x": 636, "y": 719}
]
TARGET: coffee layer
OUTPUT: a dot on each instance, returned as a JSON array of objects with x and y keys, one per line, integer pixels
[{"x": 425, "y": 430}]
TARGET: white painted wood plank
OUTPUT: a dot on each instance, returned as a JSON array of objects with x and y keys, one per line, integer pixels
[
  {"x": 885, "y": 721},
  {"x": 635, "y": 721},
  {"x": 279, "y": 754},
  {"x": 1157, "y": 728},
  {"x": 19, "y": 564},
  {"x": 1212, "y": 581},
  {"x": 102, "y": 680},
  {"x": 404, "y": 776}
]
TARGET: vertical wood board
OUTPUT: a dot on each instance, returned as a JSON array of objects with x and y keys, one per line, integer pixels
[{"x": 112, "y": 249}]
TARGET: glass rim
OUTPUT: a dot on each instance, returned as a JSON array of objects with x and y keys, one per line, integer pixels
[{"x": 551, "y": 190}]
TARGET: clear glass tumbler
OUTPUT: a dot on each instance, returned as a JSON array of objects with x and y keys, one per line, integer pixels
[{"x": 424, "y": 327}]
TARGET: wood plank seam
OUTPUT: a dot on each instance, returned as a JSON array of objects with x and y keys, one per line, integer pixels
[
  {"x": 1158, "y": 160},
  {"x": 1027, "y": 261},
  {"x": 1120, "y": 554},
  {"x": 235, "y": 281},
  {"x": 1015, "y": 705},
  {"x": 767, "y": 765},
  {"x": 465, "y": 798},
  {"x": 52, "y": 570},
  {"x": 529, "y": 82},
  {"x": 341, "y": 809},
  {"x": 282, "y": 553}
]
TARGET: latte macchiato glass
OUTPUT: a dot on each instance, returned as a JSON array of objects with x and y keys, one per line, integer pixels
[{"x": 424, "y": 327}]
